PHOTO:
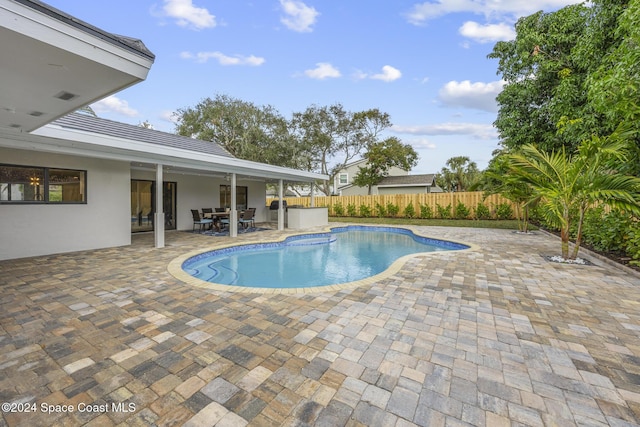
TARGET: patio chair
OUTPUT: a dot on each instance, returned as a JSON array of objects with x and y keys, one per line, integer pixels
[
  {"x": 197, "y": 220},
  {"x": 248, "y": 218}
]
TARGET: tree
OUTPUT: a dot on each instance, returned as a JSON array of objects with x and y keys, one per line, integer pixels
[
  {"x": 567, "y": 183},
  {"x": 498, "y": 179},
  {"x": 245, "y": 130},
  {"x": 459, "y": 174},
  {"x": 330, "y": 137},
  {"x": 382, "y": 156},
  {"x": 614, "y": 87},
  {"x": 544, "y": 98}
]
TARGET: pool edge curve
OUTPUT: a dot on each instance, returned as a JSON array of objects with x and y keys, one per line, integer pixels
[{"x": 175, "y": 265}]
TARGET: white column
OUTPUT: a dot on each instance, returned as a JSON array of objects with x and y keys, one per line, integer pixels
[
  {"x": 158, "y": 217},
  {"x": 312, "y": 202},
  {"x": 233, "y": 217},
  {"x": 281, "y": 211}
]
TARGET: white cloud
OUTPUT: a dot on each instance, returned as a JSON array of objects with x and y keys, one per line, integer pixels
[
  {"x": 510, "y": 10},
  {"x": 223, "y": 59},
  {"x": 168, "y": 116},
  {"x": 298, "y": 16},
  {"x": 477, "y": 130},
  {"x": 388, "y": 74},
  {"x": 422, "y": 144},
  {"x": 322, "y": 71},
  {"x": 188, "y": 15},
  {"x": 113, "y": 104},
  {"x": 487, "y": 33},
  {"x": 479, "y": 96}
]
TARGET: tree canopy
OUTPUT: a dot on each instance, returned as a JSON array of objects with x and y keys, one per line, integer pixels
[
  {"x": 248, "y": 131},
  {"x": 320, "y": 139},
  {"x": 330, "y": 137},
  {"x": 381, "y": 157},
  {"x": 569, "y": 74},
  {"x": 459, "y": 174}
]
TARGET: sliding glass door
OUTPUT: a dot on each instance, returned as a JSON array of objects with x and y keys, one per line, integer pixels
[{"x": 143, "y": 206}]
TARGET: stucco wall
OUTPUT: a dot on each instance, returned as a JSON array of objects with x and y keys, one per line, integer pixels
[
  {"x": 38, "y": 229},
  {"x": 197, "y": 192}
]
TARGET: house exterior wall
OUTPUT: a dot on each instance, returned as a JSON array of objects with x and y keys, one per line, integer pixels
[
  {"x": 355, "y": 191},
  {"x": 40, "y": 229},
  {"x": 352, "y": 170},
  {"x": 402, "y": 190},
  {"x": 197, "y": 192}
]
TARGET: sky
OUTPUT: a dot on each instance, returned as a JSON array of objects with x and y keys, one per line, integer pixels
[{"x": 423, "y": 63}]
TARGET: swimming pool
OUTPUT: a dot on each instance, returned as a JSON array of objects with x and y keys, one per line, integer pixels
[{"x": 345, "y": 254}]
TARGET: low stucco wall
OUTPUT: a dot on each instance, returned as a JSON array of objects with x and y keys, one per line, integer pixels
[{"x": 301, "y": 218}]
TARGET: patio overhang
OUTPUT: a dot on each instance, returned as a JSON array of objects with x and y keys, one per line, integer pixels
[
  {"x": 56, "y": 139},
  {"x": 52, "y": 63}
]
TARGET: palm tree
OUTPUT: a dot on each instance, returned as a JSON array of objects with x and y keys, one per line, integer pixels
[
  {"x": 575, "y": 183},
  {"x": 497, "y": 179},
  {"x": 459, "y": 174}
]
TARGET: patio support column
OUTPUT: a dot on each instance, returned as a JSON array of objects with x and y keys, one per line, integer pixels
[
  {"x": 158, "y": 216},
  {"x": 233, "y": 217},
  {"x": 280, "y": 207},
  {"x": 312, "y": 201}
]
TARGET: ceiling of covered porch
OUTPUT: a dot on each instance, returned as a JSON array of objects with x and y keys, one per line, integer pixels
[{"x": 52, "y": 64}]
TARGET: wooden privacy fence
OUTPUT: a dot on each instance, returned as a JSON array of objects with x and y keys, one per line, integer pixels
[{"x": 349, "y": 205}]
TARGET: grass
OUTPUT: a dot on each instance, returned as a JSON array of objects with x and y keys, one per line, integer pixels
[{"x": 507, "y": 224}]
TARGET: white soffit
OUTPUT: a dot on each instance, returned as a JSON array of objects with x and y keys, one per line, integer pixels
[{"x": 49, "y": 67}]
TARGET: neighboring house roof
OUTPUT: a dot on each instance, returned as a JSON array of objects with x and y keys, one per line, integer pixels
[
  {"x": 88, "y": 123},
  {"x": 131, "y": 44},
  {"x": 408, "y": 180}
]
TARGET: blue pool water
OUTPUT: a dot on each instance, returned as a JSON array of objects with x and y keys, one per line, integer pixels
[{"x": 343, "y": 255}]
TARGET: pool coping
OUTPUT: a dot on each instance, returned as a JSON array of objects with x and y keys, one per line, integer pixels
[{"x": 175, "y": 265}]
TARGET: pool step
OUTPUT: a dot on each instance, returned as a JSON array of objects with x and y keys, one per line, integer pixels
[{"x": 312, "y": 241}]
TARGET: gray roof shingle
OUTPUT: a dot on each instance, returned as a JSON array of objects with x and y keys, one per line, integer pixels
[
  {"x": 131, "y": 44},
  {"x": 424, "y": 179},
  {"x": 88, "y": 123}
]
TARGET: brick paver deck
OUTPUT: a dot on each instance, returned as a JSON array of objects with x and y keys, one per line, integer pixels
[{"x": 495, "y": 336}]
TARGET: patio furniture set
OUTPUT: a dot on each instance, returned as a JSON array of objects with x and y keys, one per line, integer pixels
[{"x": 219, "y": 219}]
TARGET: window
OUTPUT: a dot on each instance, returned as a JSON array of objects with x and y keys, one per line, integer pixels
[
  {"x": 241, "y": 197},
  {"x": 28, "y": 184},
  {"x": 344, "y": 178}
]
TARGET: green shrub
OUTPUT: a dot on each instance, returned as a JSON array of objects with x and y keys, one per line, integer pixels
[
  {"x": 504, "y": 211},
  {"x": 365, "y": 211},
  {"x": 444, "y": 212},
  {"x": 632, "y": 244},
  {"x": 462, "y": 211},
  {"x": 338, "y": 210},
  {"x": 351, "y": 209},
  {"x": 392, "y": 209},
  {"x": 482, "y": 211},
  {"x": 381, "y": 210},
  {"x": 426, "y": 212},
  {"x": 409, "y": 211},
  {"x": 606, "y": 232}
]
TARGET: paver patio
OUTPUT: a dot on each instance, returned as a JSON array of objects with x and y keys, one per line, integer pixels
[{"x": 496, "y": 336}]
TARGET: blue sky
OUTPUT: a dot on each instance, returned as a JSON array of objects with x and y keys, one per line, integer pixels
[{"x": 424, "y": 63}]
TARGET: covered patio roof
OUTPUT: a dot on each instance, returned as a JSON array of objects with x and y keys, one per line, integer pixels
[
  {"x": 52, "y": 63},
  {"x": 84, "y": 135}
]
